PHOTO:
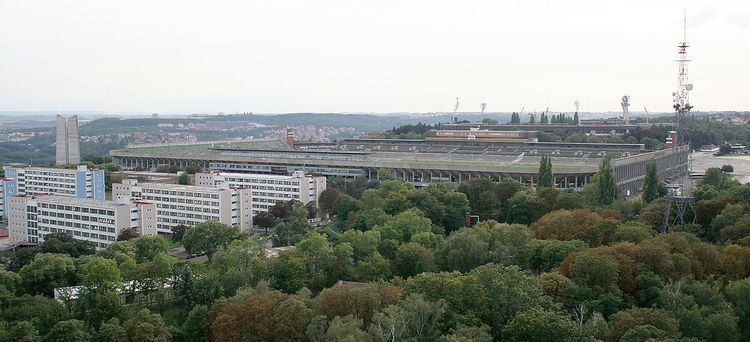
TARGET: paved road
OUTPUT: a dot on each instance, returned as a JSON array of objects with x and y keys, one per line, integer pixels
[{"x": 704, "y": 160}]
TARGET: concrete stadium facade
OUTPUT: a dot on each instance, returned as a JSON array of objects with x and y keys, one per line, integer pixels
[{"x": 417, "y": 161}]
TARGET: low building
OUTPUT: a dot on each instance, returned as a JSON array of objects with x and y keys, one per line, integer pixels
[
  {"x": 80, "y": 182},
  {"x": 267, "y": 190},
  {"x": 31, "y": 218},
  {"x": 190, "y": 205}
]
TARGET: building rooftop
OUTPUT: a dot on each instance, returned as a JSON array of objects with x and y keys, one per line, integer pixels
[
  {"x": 77, "y": 201},
  {"x": 204, "y": 148},
  {"x": 255, "y": 175},
  {"x": 179, "y": 187}
]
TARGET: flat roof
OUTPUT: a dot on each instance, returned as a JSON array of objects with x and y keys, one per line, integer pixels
[
  {"x": 179, "y": 187},
  {"x": 256, "y": 175},
  {"x": 77, "y": 201}
]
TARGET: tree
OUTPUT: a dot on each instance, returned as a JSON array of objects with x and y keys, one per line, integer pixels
[
  {"x": 281, "y": 210},
  {"x": 389, "y": 324},
  {"x": 604, "y": 188},
  {"x": 193, "y": 169},
  {"x": 735, "y": 262},
  {"x": 554, "y": 285},
  {"x": 515, "y": 118},
  {"x": 256, "y": 317},
  {"x": 178, "y": 232},
  {"x": 197, "y": 324},
  {"x": 62, "y": 243},
  {"x": 521, "y": 208},
  {"x": 402, "y": 226},
  {"x": 111, "y": 331},
  {"x": 96, "y": 305},
  {"x": 289, "y": 232},
  {"x": 652, "y": 188},
  {"x": 312, "y": 210},
  {"x": 628, "y": 319},
  {"x": 545, "y": 176},
  {"x": 423, "y": 317},
  {"x": 288, "y": 272},
  {"x": 539, "y": 325},
  {"x": 342, "y": 267},
  {"x": 565, "y": 224},
  {"x": 68, "y": 331},
  {"x": 47, "y": 272},
  {"x": 43, "y": 313},
  {"x": 290, "y": 319},
  {"x": 362, "y": 303},
  {"x": 363, "y": 243},
  {"x": 184, "y": 178},
  {"x": 575, "y": 119},
  {"x": 463, "y": 333},
  {"x": 648, "y": 288},
  {"x": 101, "y": 272},
  {"x": 727, "y": 168},
  {"x": 594, "y": 270},
  {"x": 544, "y": 255},
  {"x": 374, "y": 268},
  {"x": 346, "y": 328},
  {"x": 736, "y": 231},
  {"x": 412, "y": 259},
  {"x": 738, "y": 294},
  {"x": 328, "y": 199},
  {"x": 128, "y": 234},
  {"x": 264, "y": 220},
  {"x": 146, "y": 326},
  {"x": 23, "y": 331},
  {"x": 208, "y": 237},
  {"x": 147, "y": 247}
]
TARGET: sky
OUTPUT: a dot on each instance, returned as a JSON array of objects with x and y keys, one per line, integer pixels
[{"x": 277, "y": 56}]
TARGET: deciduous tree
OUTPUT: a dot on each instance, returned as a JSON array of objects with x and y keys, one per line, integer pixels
[{"x": 208, "y": 237}]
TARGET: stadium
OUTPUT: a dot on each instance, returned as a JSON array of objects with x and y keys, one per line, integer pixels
[{"x": 420, "y": 162}]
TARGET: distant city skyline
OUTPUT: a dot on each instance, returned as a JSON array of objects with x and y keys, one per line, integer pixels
[{"x": 367, "y": 56}]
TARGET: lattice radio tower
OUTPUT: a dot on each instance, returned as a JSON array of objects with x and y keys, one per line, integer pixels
[{"x": 678, "y": 200}]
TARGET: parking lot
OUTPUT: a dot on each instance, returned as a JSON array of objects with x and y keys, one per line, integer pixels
[{"x": 741, "y": 163}]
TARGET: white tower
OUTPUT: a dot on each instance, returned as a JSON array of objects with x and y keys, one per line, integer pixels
[
  {"x": 67, "y": 141},
  {"x": 625, "y": 103},
  {"x": 454, "y": 117}
]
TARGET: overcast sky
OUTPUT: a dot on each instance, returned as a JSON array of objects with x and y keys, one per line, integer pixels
[{"x": 367, "y": 56}]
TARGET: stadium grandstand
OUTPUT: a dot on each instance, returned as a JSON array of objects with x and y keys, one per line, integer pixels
[{"x": 420, "y": 162}]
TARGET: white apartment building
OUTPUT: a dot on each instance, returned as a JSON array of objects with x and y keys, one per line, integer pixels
[
  {"x": 80, "y": 182},
  {"x": 31, "y": 218},
  {"x": 190, "y": 205},
  {"x": 268, "y": 189}
]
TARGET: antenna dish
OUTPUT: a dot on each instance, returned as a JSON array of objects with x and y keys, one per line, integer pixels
[{"x": 689, "y": 87}]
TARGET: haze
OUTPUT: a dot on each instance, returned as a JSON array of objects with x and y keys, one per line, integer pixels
[{"x": 367, "y": 56}]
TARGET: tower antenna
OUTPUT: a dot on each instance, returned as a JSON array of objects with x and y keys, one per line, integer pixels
[
  {"x": 483, "y": 106},
  {"x": 680, "y": 163}
]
